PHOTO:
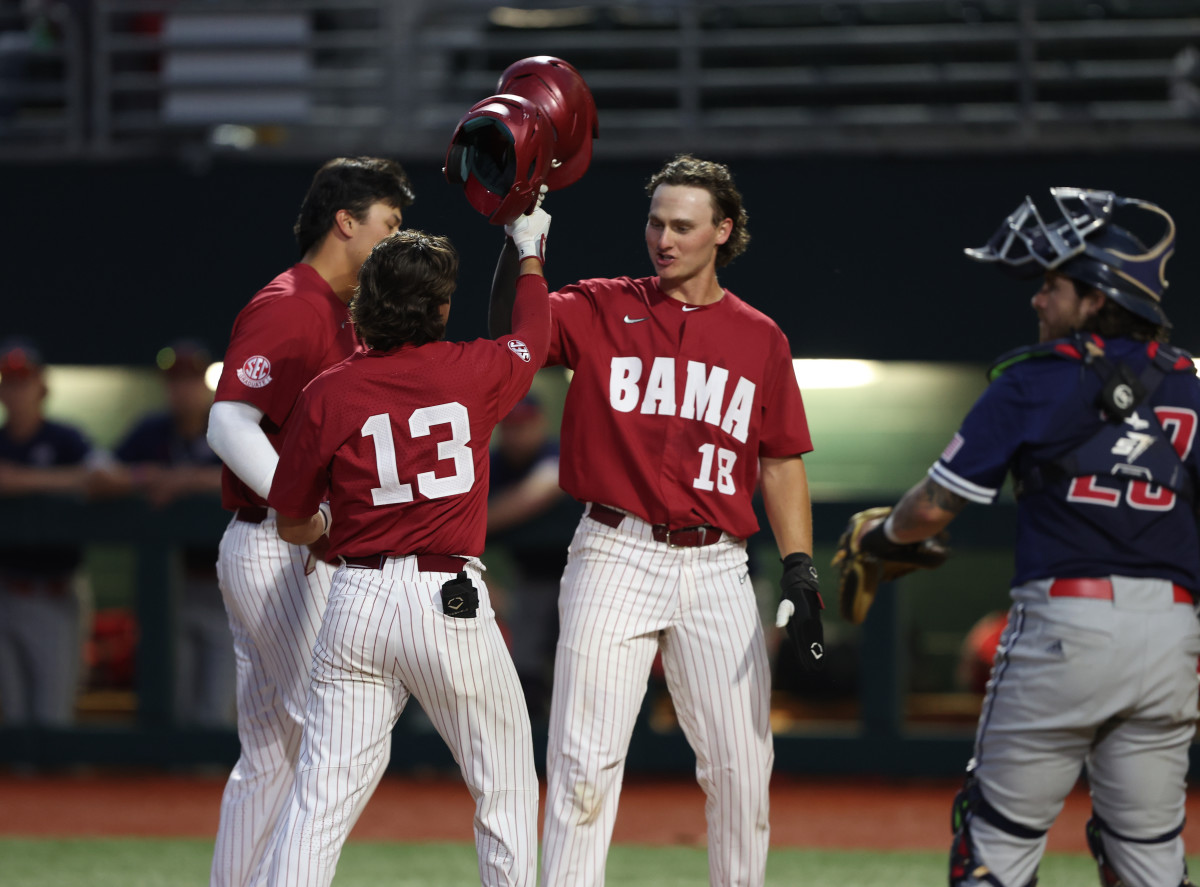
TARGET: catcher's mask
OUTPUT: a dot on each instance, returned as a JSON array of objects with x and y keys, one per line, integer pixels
[
  {"x": 501, "y": 153},
  {"x": 563, "y": 97},
  {"x": 1085, "y": 245}
]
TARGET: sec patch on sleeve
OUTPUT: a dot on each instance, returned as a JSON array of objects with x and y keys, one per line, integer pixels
[
  {"x": 519, "y": 348},
  {"x": 255, "y": 372}
]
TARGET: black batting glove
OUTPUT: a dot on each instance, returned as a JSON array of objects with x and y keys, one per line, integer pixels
[{"x": 800, "y": 607}]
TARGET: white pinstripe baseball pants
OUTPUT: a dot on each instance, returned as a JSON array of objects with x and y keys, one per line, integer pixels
[
  {"x": 274, "y": 613},
  {"x": 385, "y": 640},
  {"x": 624, "y": 598}
]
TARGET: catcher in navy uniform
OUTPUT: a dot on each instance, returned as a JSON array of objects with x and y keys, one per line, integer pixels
[{"x": 1097, "y": 425}]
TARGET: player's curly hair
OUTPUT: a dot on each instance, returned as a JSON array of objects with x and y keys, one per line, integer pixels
[
  {"x": 1112, "y": 320},
  {"x": 401, "y": 288},
  {"x": 352, "y": 184},
  {"x": 715, "y": 178}
]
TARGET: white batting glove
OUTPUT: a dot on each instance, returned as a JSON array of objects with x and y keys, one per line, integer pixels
[{"x": 529, "y": 234}]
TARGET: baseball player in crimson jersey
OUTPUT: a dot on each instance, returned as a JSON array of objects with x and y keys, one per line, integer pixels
[
  {"x": 400, "y": 433},
  {"x": 683, "y": 400},
  {"x": 1097, "y": 665},
  {"x": 295, "y": 327}
]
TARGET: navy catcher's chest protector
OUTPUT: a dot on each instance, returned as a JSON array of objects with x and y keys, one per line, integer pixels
[{"x": 1128, "y": 443}]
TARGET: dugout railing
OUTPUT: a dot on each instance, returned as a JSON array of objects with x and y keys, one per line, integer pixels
[{"x": 882, "y": 740}]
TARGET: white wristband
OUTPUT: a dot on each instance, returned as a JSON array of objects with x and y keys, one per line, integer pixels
[{"x": 327, "y": 513}]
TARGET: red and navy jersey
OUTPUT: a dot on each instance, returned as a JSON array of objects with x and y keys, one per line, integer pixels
[
  {"x": 294, "y": 328},
  {"x": 1041, "y": 410},
  {"x": 671, "y": 405},
  {"x": 400, "y": 439}
]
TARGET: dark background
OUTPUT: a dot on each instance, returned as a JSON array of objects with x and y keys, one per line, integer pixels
[{"x": 853, "y": 256}]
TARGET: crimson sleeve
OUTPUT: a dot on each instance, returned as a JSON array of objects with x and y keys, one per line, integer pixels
[
  {"x": 785, "y": 427},
  {"x": 273, "y": 352},
  {"x": 531, "y": 316}
]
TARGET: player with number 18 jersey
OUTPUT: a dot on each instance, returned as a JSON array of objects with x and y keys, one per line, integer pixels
[
  {"x": 693, "y": 394},
  {"x": 682, "y": 404}
]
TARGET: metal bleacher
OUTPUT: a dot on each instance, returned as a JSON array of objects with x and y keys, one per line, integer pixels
[{"x": 303, "y": 77}]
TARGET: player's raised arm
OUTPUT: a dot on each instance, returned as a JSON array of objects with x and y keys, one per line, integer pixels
[
  {"x": 531, "y": 309},
  {"x": 512, "y": 264},
  {"x": 504, "y": 290}
]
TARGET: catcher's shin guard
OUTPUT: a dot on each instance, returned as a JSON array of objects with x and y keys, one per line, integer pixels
[
  {"x": 1097, "y": 828},
  {"x": 965, "y": 868}
]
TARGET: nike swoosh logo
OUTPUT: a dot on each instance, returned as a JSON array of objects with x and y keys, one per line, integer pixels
[
  {"x": 692, "y": 307},
  {"x": 629, "y": 319}
]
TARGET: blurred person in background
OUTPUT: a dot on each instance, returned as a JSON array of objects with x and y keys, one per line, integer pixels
[
  {"x": 41, "y": 590},
  {"x": 528, "y": 516},
  {"x": 165, "y": 457}
]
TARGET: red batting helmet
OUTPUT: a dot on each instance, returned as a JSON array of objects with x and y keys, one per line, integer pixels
[
  {"x": 562, "y": 96},
  {"x": 501, "y": 153}
]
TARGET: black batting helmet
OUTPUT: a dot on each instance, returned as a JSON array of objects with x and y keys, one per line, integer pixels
[{"x": 1085, "y": 245}]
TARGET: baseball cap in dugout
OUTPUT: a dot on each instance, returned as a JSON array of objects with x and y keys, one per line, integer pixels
[{"x": 19, "y": 359}]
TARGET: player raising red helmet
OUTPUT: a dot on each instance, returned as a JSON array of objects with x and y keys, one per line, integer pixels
[
  {"x": 536, "y": 132},
  {"x": 560, "y": 93}
]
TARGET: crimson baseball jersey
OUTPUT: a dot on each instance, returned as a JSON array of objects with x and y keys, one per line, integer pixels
[
  {"x": 400, "y": 438},
  {"x": 671, "y": 405},
  {"x": 291, "y": 330}
]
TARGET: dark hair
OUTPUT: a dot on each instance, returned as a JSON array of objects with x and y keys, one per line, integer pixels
[
  {"x": 401, "y": 287},
  {"x": 352, "y": 184},
  {"x": 1112, "y": 320},
  {"x": 716, "y": 179}
]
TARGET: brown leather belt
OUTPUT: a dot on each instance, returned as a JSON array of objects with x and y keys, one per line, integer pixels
[
  {"x": 426, "y": 563},
  {"x": 684, "y": 537},
  {"x": 1102, "y": 590},
  {"x": 251, "y": 514}
]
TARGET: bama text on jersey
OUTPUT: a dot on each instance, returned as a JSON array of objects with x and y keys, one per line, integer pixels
[{"x": 703, "y": 393}]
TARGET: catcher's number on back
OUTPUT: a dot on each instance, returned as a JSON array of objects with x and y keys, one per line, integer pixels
[{"x": 866, "y": 558}]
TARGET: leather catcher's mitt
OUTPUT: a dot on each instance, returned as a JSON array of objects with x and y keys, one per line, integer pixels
[{"x": 867, "y": 558}]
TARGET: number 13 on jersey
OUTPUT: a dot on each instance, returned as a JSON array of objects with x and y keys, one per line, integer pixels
[{"x": 457, "y": 449}]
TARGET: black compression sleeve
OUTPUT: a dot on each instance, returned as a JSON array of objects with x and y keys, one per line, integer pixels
[{"x": 504, "y": 290}]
